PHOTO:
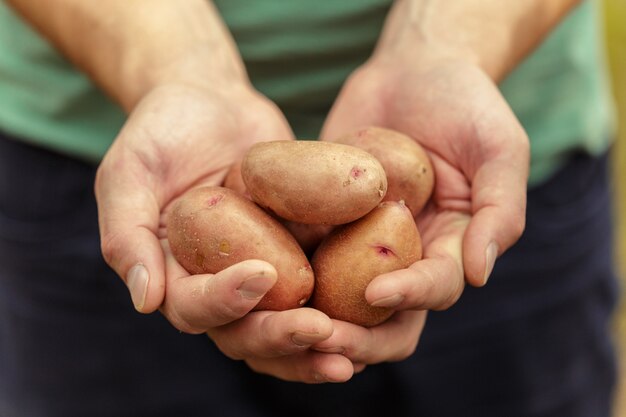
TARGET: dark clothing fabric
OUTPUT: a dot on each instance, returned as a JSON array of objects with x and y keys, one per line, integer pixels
[{"x": 535, "y": 342}]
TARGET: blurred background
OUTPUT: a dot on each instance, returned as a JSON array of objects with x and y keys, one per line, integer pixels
[{"x": 615, "y": 17}]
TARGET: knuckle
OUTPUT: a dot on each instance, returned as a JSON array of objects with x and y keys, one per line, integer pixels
[
  {"x": 426, "y": 283},
  {"x": 110, "y": 247},
  {"x": 281, "y": 348},
  {"x": 456, "y": 279},
  {"x": 222, "y": 309},
  {"x": 275, "y": 339},
  {"x": 225, "y": 313},
  {"x": 518, "y": 223},
  {"x": 180, "y": 324}
]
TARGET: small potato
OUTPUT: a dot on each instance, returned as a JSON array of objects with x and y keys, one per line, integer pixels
[
  {"x": 408, "y": 168},
  {"x": 308, "y": 236},
  {"x": 313, "y": 182},
  {"x": 212, "y": 228},
  {"x": 385, "y": 240},
  {"x": 234, "y": 180}
]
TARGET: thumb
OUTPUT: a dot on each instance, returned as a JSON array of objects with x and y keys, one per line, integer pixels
[{"x": 128, "y": 217}]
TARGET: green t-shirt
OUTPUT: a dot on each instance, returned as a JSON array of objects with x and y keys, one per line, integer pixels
[{"x": 299, "y": 54}]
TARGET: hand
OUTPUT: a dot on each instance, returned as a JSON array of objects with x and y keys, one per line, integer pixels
[
  {"x": 179, "y": 137},
  {"x": 480, "y": 154},
  {"x": 176, "y": 138}
]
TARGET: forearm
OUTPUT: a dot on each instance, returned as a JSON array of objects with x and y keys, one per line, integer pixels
[
  {"x": 494, "y": 34},
  {"x": 128, "y": 47}
]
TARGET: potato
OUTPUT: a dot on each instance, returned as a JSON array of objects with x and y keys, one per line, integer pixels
[
  {"x": 308, "y": 236},
  {"x": 234, "y": 180},
  {"x": 313, "y": 182},
  {"x": 346, "y": 261},
  {"x": 212, "y": 228},
  {"x": 409, "y": 171}
]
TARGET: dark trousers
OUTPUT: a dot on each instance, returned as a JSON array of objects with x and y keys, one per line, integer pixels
[{"x": 534, "y": 342}]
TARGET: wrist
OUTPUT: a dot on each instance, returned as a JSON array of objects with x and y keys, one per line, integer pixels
[
  {"x": 130, "y": 47},
  {"x": 490, "y": 34},
  {"x": 195, "y": 67},
  {"x": 412, "y": 37},
  {"x": 421, "y": 55}
]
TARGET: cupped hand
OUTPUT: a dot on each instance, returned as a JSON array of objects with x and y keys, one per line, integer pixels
[
  {"x": 480, "y": 155},
  {"x": 179, "y": 137}
]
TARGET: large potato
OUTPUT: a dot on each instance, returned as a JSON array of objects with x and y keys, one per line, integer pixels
[
  {"x": 212, "y": 228},
  {"x": 385, "y": 240},
  {"x": 308, "y": 236},
  {"x": 409, "y": 171},
  {"x": 313, "y": 182}
]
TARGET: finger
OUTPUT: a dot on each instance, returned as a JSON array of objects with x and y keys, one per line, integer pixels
[
  {"x": 433, "y": 283},
  {"x": 195, "y": 303},
  {"x": 128, "y": 217},
  {"x": 271, "y": 334},
  {"x": 499, "y": 210},
  {"x": 393, "y": 340},
  {"x": 308, "y": 367}
]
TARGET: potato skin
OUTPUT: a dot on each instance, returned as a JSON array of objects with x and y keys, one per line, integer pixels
[
  {"x": 308, "y": 236},
  {"x": 313, "y": 182},
  {"x": 212, "y": 228},
  {"x": 385, "y": 240},
  {"x": 409, "y": 171}
]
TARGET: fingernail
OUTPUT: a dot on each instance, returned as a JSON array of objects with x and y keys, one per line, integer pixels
[
  {"x": 391, "y": 301},
  {"x": 255, "y": 286},
  {"x": 319, "y": 377},
  {"x": 305, "y": 339},
  {"x": 137, "y": 283},
  {"x": 335, "y": 349},
  {"x": 490, "y": 260}
]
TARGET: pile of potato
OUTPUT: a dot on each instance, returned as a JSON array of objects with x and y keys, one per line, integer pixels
[{"x": 329, "y": 215}]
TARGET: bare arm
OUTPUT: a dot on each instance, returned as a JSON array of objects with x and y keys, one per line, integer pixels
[
  {"x": 128, "y": 47},
  {"x": 496, "y": 35}
]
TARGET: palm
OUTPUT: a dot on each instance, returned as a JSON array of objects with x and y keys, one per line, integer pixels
[{"x": 190, "y": 138}]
